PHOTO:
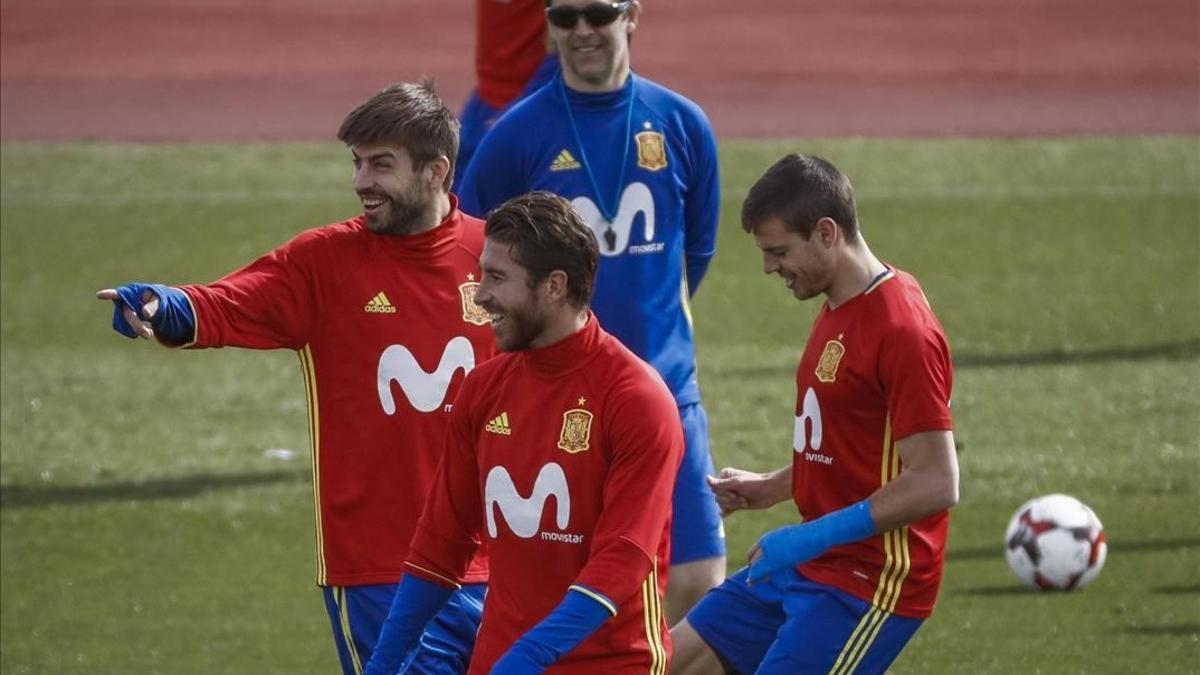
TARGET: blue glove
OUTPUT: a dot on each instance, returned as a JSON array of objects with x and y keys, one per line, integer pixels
[
  {"x": 173, "y": 322},
  {"x": 579, "y": 615},
  {"x": 415, "y": 603},
  {"x": 789, "y": 546}
]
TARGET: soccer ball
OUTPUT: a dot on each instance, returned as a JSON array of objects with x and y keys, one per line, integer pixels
[{"x": 1055, "y": 543}]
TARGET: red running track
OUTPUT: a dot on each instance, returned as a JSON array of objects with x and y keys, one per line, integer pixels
[{"x": 290, "y": 69}]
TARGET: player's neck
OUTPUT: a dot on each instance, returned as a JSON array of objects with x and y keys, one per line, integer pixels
[
  {"x": 609, "y": 84},
  {"x": 854, "y": 273},
  {"x": 433, "y": 216},
  {"x": 561, "y": 325}
]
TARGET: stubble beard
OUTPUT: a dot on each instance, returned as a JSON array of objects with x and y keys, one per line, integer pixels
[
  {"x": 524, "y": 325},
  {"x": 404, "y": 214}
]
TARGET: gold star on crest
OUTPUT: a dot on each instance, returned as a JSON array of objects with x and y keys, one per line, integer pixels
[
  {"x": 470, "y": 277},
  {"x": 582, "y": 400}
]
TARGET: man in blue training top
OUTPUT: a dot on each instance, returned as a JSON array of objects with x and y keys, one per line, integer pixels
[{"x": 639, "y": 163}]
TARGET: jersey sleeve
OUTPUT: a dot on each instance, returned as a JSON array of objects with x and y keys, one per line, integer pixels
[
  {"x": 916, "y": 372},
  {"x": 268, "y": 304},
  {"x": 702, "y": 202},
  {"x": 493, "y": 176},
  {"x": 447, "y": 534},
  {"x": 647, "y": 446}
]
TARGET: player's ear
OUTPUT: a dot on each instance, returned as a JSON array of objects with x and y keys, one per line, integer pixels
[
  {"x": 827, "y": 228},
  {"x": 634, "y": 13},
  {"x": 438, "y": 169},
  {"x": 556, "y": 286}
]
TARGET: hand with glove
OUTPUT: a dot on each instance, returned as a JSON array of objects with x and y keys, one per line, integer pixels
[{"x": 164, "y": 308}]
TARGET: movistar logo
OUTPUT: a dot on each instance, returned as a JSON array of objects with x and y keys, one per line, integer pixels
[
  {"x": 524, "y": 515},
  {"x": 564, "y": 161},
  {"x": 499, "y": 425},
  {"x": 615, "y": 237},
  {"x": 426, "y": 391},
  {"x": 380, "y": 304},
  {"x": 809, "y": 430}
]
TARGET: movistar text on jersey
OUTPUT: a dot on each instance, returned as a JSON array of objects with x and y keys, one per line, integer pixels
[{"x": 564, "y": 537}]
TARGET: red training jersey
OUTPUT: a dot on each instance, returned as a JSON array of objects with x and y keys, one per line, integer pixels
[
  {"x": 875, "y": 370},
  {"x": 386, "y": 328},
  {"x": 510, "y": 43},
  {"x": 563, "y": 459}
]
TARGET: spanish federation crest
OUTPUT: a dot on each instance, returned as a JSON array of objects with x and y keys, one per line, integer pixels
[
  {"x": 576, "y": 431},
  {"x": 652, "y": 150},
  {"x": 471, "y": 312},
  {"x": 830, "y": 358}
]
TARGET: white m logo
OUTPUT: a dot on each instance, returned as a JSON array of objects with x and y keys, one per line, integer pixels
[
  {"x": 425, "y": 391},
  {"x": 524, "y": 515},
  {"x": 802, "y": 439},
  {"x": 614, "y": 237}
]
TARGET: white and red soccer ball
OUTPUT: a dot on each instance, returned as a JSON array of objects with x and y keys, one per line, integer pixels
[{"x": 1055, "y": 543}]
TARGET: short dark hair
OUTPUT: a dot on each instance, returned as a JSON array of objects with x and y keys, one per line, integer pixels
[
  {"x": 544, "y": 233},
  {"x": 800, "y": 190},
  {"x": 411, "y": 116}
]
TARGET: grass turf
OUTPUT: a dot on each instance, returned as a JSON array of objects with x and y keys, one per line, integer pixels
[{"x": 146, "y": 529}]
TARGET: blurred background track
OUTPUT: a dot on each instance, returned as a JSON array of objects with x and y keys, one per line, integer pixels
[{"x": 290, "y": 69}]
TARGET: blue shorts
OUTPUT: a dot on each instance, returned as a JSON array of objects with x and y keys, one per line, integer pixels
[
  {"x": 696, "y": 529},
  {"x": 357, "y": 614},
  {"x": 789, "y": 624}
]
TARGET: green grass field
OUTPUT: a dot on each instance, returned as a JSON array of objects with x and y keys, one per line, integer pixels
[{"x": 145, "y": 529}]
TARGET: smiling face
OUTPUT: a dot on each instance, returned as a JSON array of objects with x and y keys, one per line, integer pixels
[
  {"x": 595, "y": 58},
  {"x": 394, "y": 195},
  {"x": 519, "y": 313},
  {"x": 805, "y": 265}
]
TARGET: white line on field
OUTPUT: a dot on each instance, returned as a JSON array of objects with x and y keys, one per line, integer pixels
[
  {"x": 176, "y": 196},
  {"x": 892, "y": 193},
  {"x": 1014, "y": 192}
]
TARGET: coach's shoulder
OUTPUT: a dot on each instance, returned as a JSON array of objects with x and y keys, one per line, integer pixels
[{"x": 657, "y": 95}]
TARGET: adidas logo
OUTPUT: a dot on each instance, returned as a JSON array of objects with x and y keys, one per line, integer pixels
[
  {"x": 380, "y": 305},
  {"x": 499, "y": 425},
  {"x": 564, "y": 162}
]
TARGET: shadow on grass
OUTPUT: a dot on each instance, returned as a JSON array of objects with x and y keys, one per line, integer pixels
[
  {"x": 997, "y": 552},
  {"x": 992, "y": 591},
  {"x": 1176, "y": 590},
  {"x": 1171, "y": 351},
  {"x": 1170, "y": 630},
  {"x": 33, "y": 496}
]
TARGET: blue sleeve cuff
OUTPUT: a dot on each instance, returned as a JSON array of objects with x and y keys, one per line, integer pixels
[
  {"x": 173, "y": 323},
  {"x": 580, "y": 614},
  {"x": 796, "y": 544},
  {"x": 415, "y": 603}
]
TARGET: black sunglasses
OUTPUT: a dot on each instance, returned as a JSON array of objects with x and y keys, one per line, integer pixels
[{"x": 597, "y": 14}]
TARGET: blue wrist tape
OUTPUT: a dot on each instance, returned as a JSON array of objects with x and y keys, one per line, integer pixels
[
  {"x": 796, "y": 544},
  {"x": 572, "y": 621},
  {"x": 173, "y": 323},
  {"x": 415, "y": 603}
]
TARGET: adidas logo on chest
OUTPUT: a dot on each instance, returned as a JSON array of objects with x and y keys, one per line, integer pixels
[
  {"x": 499, "y": 425},
  {"x": 379, "y": 305},
  {"x": 565, "y": 161}
]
